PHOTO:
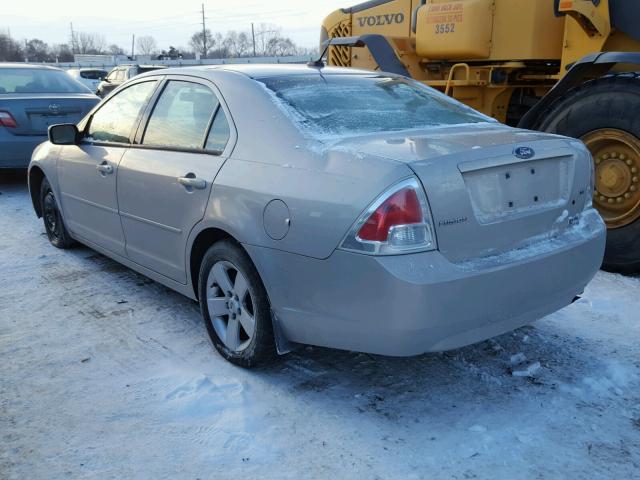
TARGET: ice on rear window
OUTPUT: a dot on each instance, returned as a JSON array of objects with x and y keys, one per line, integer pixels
[{"x": 343, "y": 105}]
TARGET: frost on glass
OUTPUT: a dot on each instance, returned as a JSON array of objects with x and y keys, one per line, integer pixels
[{"x": 344, "y": 105}]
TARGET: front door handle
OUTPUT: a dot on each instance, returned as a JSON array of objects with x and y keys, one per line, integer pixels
[
  {"x": 190, "y": 181},
  {"x": 105, "y": 169}
]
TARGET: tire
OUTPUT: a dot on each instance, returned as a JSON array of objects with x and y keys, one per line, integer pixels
[
  {"x": 231, "y": 294},
  {"x": 608, "y": 104},
  {"x": 53, "y": 222}
]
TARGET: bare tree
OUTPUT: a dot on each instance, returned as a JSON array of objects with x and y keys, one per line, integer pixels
[
  {"x": 265, "y": 33},
  {"x": 90, "y": 43},
  {"x": 147, "y": 45},
  {"x": 269, "y": 42},
  {"x": 202, "y": 42},
  {"x": 38, "y": 51},
  {"x": 10, "y": 50},
  {"x": 237, "y": 44},
  {"x": 115, "y": 49},
  {"x": 62, "y": 52},
  {"x": 280, "y": 47}
]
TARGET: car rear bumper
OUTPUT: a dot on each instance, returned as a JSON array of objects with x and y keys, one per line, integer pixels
[
  {"x": 16, "y": 150},
  {"x": 411, "y": 304}
]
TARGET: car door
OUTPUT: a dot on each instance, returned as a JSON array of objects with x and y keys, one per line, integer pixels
[
  {"x": 164, "y": 183},
  {"x": 87, "y": 172}
]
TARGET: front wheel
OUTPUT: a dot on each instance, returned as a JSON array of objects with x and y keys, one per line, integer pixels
[
  {"x": 52, "y": 218},
  {"x": 603, "y": 114},
  {"x": 235, "y": 306}
]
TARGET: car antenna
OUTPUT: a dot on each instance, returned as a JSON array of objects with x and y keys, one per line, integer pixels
[
  {"x": 340, "y": 41},
  {"x": 319, "y": 63}
]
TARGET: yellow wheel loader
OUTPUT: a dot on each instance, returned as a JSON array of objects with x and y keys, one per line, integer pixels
[{"x": 561, "y": 66}]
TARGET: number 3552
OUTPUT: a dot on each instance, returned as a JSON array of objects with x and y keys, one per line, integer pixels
[{"x": 445, "y": 28}]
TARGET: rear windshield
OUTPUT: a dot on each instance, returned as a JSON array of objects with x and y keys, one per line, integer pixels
[
  {"x": 93, "y": 74},
  {"x": 337, "y": 105},
  {"x": 36, "y": 80}
]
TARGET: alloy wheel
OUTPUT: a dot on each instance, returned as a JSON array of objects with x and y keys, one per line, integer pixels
[{"x": 230, "y": 306}]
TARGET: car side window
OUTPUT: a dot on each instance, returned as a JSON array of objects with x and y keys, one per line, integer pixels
[
  {"x": 181, "y": 116},
  {"x": 115, "y": 120},
  {"x": 112, "y": 75},
  {"x": 219, "y": 133}
]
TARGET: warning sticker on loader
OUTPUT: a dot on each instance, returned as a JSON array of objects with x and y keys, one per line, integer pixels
[{"x": 445, "y": 16}]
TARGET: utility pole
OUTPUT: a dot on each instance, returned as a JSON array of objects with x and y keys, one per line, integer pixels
[
  {"x": 73, "y": 40},
  {"x": 253, "y": 34},
  {"x": 204, "y": 35},
  {"x": 133, "y": 43}
]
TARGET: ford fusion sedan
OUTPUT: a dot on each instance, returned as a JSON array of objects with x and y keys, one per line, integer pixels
[
  {"x": 349, "y": 209},
  {"x": 31, "y": 99}
]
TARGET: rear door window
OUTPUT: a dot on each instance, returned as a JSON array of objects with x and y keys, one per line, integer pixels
[
  {"x": 113, "y": 74},
  {"x": 181, "y": 116},
  {"x": 116, "y": 119},
  {"x": 219, "y": 133},
  {"x": 93, "y": 74}
]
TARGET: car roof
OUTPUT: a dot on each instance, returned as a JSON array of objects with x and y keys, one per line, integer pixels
[
  {"x": 27, "y": 65},
  {"x": 129, "y": 65},
  {"x": 266, "y": 70}
]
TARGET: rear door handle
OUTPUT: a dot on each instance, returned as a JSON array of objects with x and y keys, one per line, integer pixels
[
  {"x": 105, "y": 168},
  {"x": 192, "y": 182}
]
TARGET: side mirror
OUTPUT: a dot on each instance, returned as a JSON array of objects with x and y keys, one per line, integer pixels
[{"x": 64, "y": 134}]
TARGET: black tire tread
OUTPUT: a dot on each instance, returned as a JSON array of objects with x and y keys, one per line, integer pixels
[
  {"x": 65, "y": 241},
  {"x": 262, "y": 350},
  {"x": 612, "y": 101}
]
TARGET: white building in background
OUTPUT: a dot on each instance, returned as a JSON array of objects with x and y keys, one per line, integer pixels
[{"x": 100, "y": 59}]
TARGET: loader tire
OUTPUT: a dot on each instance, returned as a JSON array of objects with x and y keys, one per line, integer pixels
[{"x": 603, "y": 113}]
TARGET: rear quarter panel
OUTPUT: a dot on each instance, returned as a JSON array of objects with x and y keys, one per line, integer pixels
[{"x": 325, "y": 194}]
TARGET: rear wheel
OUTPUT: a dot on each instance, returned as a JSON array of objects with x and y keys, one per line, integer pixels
[
  {"x": 235, "y": 306},
  {"x": 52, "y": 218},
  {"x": 603, "y": 114}
]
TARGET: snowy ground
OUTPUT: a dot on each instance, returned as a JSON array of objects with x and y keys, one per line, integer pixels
[{"x": 106, "y": 374}]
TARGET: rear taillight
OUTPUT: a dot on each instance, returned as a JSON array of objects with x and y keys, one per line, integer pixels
[
  {"x": 399, "y": 221},
  {"x": 6, "y": 120}
]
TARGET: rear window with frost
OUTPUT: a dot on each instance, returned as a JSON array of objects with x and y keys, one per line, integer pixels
[{"x": 360, "y": 104}]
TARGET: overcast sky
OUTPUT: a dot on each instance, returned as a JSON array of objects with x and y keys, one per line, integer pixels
[{"x": 169, "y": 22}]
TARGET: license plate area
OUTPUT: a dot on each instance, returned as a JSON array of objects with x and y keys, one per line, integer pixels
[
  {"x": 41, "y": 122},
  {"x": 511, "y": 190}
]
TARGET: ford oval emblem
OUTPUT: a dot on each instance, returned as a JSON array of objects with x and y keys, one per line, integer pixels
[{"x": 524, "y": 152}]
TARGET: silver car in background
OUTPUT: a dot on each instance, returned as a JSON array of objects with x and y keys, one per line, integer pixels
[
  {"x": 334, "y": 207},
  {"x": 33, "y": 97},
  {"x": 89, "y": 77}
]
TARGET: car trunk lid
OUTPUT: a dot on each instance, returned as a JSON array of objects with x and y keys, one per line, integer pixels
[
  {"x": 485, "y": 200},
  {"x": 34, "y": 113}
]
